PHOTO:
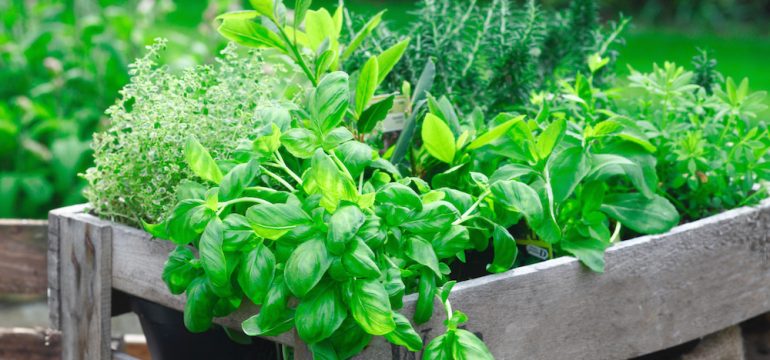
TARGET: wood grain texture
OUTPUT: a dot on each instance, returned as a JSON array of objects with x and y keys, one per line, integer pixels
[
  {"x": 657, "y": 292},
  {"x": 23, "y": 257},
  {"x": 85, "y": 277},
  {"x": 29, "y": 344}
]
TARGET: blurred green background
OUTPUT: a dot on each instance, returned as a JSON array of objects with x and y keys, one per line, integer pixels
[{"x": 62, "y": 63}]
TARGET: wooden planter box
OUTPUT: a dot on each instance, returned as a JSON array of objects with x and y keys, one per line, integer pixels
[{"x": 657, "y": 292}]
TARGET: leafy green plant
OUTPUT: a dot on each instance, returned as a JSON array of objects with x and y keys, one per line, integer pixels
[
  {"x": 327, "y": 223},
  {"x": 139, "y": 162},
  {"x": 712, "y": 150}
]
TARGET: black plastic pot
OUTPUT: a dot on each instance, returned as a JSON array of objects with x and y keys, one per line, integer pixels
[{"x": 168, "y": 339}]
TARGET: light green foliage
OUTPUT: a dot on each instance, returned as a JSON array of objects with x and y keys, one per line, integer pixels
[
  {"x": 140, "y": 159},
  {"x": 712, "y": 147}
]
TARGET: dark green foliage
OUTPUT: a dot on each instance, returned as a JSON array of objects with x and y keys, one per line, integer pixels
[{"x": 705, "y": 69}]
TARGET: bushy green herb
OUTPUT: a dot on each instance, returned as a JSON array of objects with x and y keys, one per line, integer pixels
[
  {"x": 139, "y": 160},
  {"x": 712, "y": 149}
]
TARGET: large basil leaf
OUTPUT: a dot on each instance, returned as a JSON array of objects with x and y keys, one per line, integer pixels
[
  {"x": 434, "y": 217},
  {"x": 201, "y": 162},
  {"x": 187, "y": 221},
  {"x": 589, "y": 251},
  {"x": 451, "y": 241},
  {"x": 551, "y": 136},
  {"x": 356, "y": 156},
  {"x": 643, "y": 215},
  {"x": 300, "y": 142},
  {"x": 438, "y": 138},
  {"x": 518, "y": 196},
  {"x": 422, "y": 252},
  {"x": 396, "y": 202},
  {"x": 272, "y": 221},
  {"x": 213, "y": 258},
  {"x": 329, "y": 101},
  {"x": 566, "y": 169},
  {"x": 319, "y": 313},
  {"x": 468, "y": 346},
  {"x": 374, "y": 114},
  {"x": 237, "y": 232},
  {"x": 256, "y": 272},
  {"x": 440, "y": 348},
  {"x": 198, "y": 310},
  {"x": 426, "y": 289},
  {"x": 370, "y": 307},
  {"x": 306, "y": 266},
  {"x": 367, "y": 84},
  {"x": 404, "y": 334},
  {"x": 240, "y": 27},
  {"x": 238, "y": 179},
  {"x": 274, "y": 316},
  {"x": 343, "y": 225},
  {"x": 349, "y": 339},
  {"x": 325, "y": 179},
  {"x": 358, "y": 260}
]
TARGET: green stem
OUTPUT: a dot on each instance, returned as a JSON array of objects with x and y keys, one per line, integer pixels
[
  {"x": 223, "y": 205},
  {"x": 278, "y": 178},
  {"x": 298, "y": 57},
  {"x": 282, "y": 165},
  {"x": 467, "y": 214},
  {"x": 341, "y": 165}
]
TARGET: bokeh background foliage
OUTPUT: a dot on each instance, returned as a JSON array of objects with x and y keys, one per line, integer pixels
[{"x": 63, "y": 62}]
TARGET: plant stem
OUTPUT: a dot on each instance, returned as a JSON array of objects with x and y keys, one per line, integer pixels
[
  {"x": 298, "y": 57},
  {"x": 286, "y": 168},
  {"x": 467, "y": 214},
  {"x": 278, "y": 178},
  {"x": 223, "y": 205},
  {"x": 340, "y": 164}
]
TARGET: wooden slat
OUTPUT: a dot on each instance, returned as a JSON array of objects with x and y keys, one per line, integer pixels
[
  {"x": 23, "y": 257},
  {"x": 657, "y": 292},
  {"x": 29, "y": 344},
  {"x": 85, "y": 277}
]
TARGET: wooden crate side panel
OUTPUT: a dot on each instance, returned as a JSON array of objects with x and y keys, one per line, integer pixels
[
  {"x": 657, "y": 292},
  {"x": 29, "y": 344},
  {"x": 23, "y": 257},
  {"x": 85, "y": 275}
]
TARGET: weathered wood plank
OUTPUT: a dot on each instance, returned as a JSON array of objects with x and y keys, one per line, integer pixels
[
  {"x": 29, "y": 344},
  {"x": 23, "y": 257},
  {"x": 657, "y": 292},
  {"x": 85, "y": 279}
]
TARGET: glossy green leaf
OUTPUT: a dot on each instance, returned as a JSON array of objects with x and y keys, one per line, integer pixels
[
  {"x": 389, "y": 58},
  {"x": 238, "y": 179},
  {"x": 187, "y": 221},
  {"x": 567, "y": 169},
  {"x": 201, "y": 162},
  {"x": 552, "y": 135},
  {"x": 518, "y": 196},
  {"x": 643, "y": 215},
  {"x": 306, "y": 266},
  {"x": 349, "y": 339},
  {"x": 329, "y": 101},
  {"x": 179, "y": 271},
  {"x": 272, "y": 221},
  {"x": 300, "y": 142},
  {"x": 256, "y": 272},
  {"x": 438, "y": 139},
  {"x": 319, "y": 313},
  {"x": 370, "y": 307},
  {"x": 336, "y": 137},
  {"x": 274, "y": 316},
  {"x": 422, "y": 252},
  {"x": 242, "y": 28},
  {"x": 367, "y": 84},
  {"x": 468, "y": 346},
  {"x": 356, "y": 156},
  {"x": 494, "y": 133},
  {"x": 440, "y": 348},
  {"x": 326, "y": 180},
  {"x": 451, "y": 241},
  {"x": 434, "y": 217},
  {"x": 589, "y": 251},
  {"x": 300, "y": 9},
  {"x": 359, "y": 260},
  {"x": 198, "y": 309},
  {"x": 343, "y": 225},
  {"x": 362, "y": 35},
  {"x": 264, "y": 7},
  {"x": 404, "y": 334},
  {"x": 374, "y": 114},
  {"x": 505, "y": 250},
  {"x": 213, "y": 258},
  {"x": 426, "y": 289}
]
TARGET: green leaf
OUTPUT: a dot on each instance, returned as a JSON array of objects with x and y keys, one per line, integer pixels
[
  {"x": 300, "y": 9},
  {"x": 201, "y": 162},
  {"x": 325, "y": 179},
  {"x": 374, "y": 114},
  {"x": 213, "y": 258},
  {"x": 272, "y": 221},
  {"x": 370, "y": 307},
  {"x": 566, "y": 169},
  {"x": 179, "y": 271},
  {"x": 589, "y": 251},
  {"x": 356, "y": 156},
  {"x": 300, "y": 142},
  {"x": 319, "y": 314},
  {"x": 241, "y": 27},
  {"x": 362, "y": 35},
  {"x": 468, "y": 346},
  {"x": 268, "y": 142},
  {"x": 404, "y": 334},
  {"x": 190, "y": 190},
  {"x": 343, "y": 225},
  {"x": 551, "y": 136},
  {"x": 264, "y": 7},
  {"x": 510, "y": 172},
  {"x": 396, "y": 202},
  {"x": 329, "y": 101},
  {"x": 494, "y": 133},
  {"x": 647, "y": 216},
  {"x": 159, "y": 231},
  {"x": 518, "y": 196},
  {"x": 434, "y": 217},
  {"x": 198, "y": 309},
  {"x": 452, "y": 241},
  {"x": 237, "y": 233},
  {"x": 323, "y": 350},
  {"x": 349, "y": 339},
  {"x": 256, "y": 273},
  {"x": 440, "y": 348},
  {"x": 426, "y": 289},
  {"x": 238, "y": 179},
  {"x": 367, "y": 84},
  {"x": 505, "y": 250},
  {"x": 320, "y": 27},
  {"x": 359, "y": 260},
  {"x": 422, "y": 252},
  {"x": 187, "y": 221},
  {"x": 336, "y": 137},
  {"x": 274, "y": 316},
  {"x": 306, "y": 266},
  {"x": 438, "y": 138},
  {"x": 389, "y": 58}
]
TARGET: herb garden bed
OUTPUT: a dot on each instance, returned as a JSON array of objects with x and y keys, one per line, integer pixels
[{"x": 658, "y": 291}]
